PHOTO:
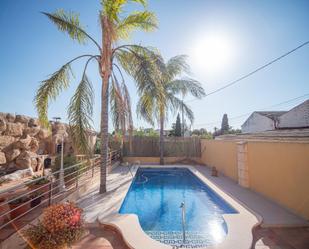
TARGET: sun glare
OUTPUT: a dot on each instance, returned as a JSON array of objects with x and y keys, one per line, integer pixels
[{"x": 212, "y": 53}]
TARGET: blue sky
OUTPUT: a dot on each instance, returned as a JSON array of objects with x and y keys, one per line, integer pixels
[{"x": 252, "y": 33}]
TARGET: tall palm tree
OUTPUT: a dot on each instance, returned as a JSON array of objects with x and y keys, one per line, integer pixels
[
  {"x": 136, "y": 60},
  {"x": 156, "y": 102}
]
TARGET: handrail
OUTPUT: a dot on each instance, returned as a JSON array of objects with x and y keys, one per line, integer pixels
[
  {"x": 40, "y": 178},
  {"x": 183, "y": 219},
  {"x": 74, "y": 180}
]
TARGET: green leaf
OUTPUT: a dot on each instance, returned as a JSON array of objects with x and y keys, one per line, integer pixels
[
  {"x": 49, "y": 89},
  {"x": 80, "y": 112},
  {"x": 69, "y": 23},
  {"x": 144, "y": 20}
]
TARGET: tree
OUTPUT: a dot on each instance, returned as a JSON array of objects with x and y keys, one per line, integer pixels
[
  {"x": 178, "y": 127},
  {"x": 136, "y": 60},
  {"x": 162, "y": 96},
  {"x": 225, "y": 124}
]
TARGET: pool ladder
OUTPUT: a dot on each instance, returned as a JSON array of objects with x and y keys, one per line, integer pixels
[{"x": 183, "y": 215}]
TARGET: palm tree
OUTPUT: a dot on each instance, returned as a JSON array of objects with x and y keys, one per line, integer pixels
[
  {"x": 156, "y": 102},
  {"x": 136, "y": 60}
]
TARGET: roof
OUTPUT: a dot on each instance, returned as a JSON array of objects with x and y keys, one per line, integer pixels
[
  {"x": 295, "y": 134},
  {"x": 274, "y": 115}
]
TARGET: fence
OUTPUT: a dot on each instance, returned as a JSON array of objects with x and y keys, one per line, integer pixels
[
  {"x": 189, "y": 147},
  {"x": 29, "y": 198}
]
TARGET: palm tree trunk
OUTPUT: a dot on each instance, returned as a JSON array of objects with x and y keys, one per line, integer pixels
[
  {"x": 105, "y": 70},
  {"x": 161, "y": 139},
  {"x": 104, "y": 135}
]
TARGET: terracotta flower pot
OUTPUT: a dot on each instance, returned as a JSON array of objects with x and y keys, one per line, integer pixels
[
  {"x": 3, "y": 209},
  {"x": 21, "y": 208},
  {"x": 35, "y": 201},
  {"x": 41, "y": 188}
]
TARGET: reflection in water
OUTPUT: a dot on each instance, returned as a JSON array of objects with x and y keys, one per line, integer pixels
[{"x": 155, "y": 196}]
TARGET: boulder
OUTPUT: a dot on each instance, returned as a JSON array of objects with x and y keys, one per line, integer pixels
[
  {"x": 42, "y": 134},
  {"x": 26, "y": 160},
  {"x": 33, "y": 122},
  {"x": 34, "y": 145},
  {"x": 58, "y": 127},
  {"x": 10, "y": 117},
  {"x": 23, "y": 143},
  {"x": 6, "y": 141},
  {"x": 21, "y": 119},
  {"x": 39, "y": 166},
  {"x": 14, "y": 129},
  {"x": 3, "y": 115},
  {"x": 32, "y": 131},
  {"x": 2, "y": 158},
  {"x": 12, "y": 154},
  {"x": 2, "y": 124},
  {"x": 11, "y": 167},
  {"x": 19, "y": 174}
]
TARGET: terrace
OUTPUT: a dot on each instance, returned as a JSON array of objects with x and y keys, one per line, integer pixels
[
  {"x": 83, "y": 183},
  {"x": 273, "y": 225}
]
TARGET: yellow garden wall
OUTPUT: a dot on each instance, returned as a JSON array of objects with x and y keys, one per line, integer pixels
[
  {"x": 222, "y": 155},
  {"x": 276, "y": 169},
  {"x": 280, "y": 171}
]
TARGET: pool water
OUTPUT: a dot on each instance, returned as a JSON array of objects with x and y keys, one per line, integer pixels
[{"x": 155, "y": 196}]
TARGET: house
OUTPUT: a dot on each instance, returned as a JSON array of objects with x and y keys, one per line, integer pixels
[
  {"x": 258, "y": 121},
  {"x": 261, "y": 121},
  {"x": 298, "y": 117}
]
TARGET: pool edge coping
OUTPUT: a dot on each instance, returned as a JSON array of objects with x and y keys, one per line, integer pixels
[{"x": 240, "y": 225}]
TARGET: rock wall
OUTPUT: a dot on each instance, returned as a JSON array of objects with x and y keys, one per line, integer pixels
[{"x": 23, "y": 141}]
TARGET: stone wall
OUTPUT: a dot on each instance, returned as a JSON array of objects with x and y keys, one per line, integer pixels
[{"x": 23, "y": 141}]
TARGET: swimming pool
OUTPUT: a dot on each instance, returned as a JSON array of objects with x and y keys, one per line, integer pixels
[{"x": 155, "y": 196}]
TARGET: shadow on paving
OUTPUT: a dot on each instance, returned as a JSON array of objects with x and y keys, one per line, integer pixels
[
  {"x": 281, "y": 238},
  {"x": 101, "y": 238}
]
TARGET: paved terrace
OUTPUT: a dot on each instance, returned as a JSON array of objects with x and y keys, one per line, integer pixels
[{"x": 267, "y": 235}]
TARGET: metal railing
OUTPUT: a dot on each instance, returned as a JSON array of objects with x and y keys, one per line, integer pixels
[
  {"x": 30, "y": 196},
  {"x": 183, "y": 221}
]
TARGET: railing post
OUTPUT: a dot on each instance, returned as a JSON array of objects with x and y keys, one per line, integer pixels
[
  {"x": 50, "y": 195},
  {"x": 62, "y": 187},
  {"x": 183, "y": 216},
  {"x": 77, "y": 178},
  {"x": 92, "y": 167}
]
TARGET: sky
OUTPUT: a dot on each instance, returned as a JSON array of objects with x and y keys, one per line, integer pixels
[{"x": 224, "y": 40}]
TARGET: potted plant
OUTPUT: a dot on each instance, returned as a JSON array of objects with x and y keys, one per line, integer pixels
[
  {"x": 60, "y": 227},
  {"x": 41, "y": 184},
  {"x": 19, "y": 206},
  {"x": 3, "y": 210},
  {"x": 36, "y": 199}
]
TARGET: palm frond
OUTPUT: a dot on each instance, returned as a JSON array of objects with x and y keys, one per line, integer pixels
[
  {"x": 143, "y": 20},
  {"x": 142, "y": 64},
  {"x": 80, "y": 112},
  {"x": 185, "y": 86},
  {"x": 69, "y": 22},
  {"x": 112, "y": 8},
  {"x": 178, "y": 105},
  {"x": 177, "y": 65},
  {"x": 49, "y": 89},
  {"x": 145, "y": 108},
  {"x": 117, "y": 105},
  {"x": 142, "y": 2}
]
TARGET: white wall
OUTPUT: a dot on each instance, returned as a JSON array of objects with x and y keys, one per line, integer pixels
[
  {"x": 296, "y": 117},
  {"x": 256, "y": 123}
]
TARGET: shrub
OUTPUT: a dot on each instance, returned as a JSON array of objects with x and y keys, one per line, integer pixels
[
  {"x": 68, "y": 161},
  {"x": 37, "y": 180},
  {"x": 61, "y": 226},
  {"x": 19, "y": 200}
]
